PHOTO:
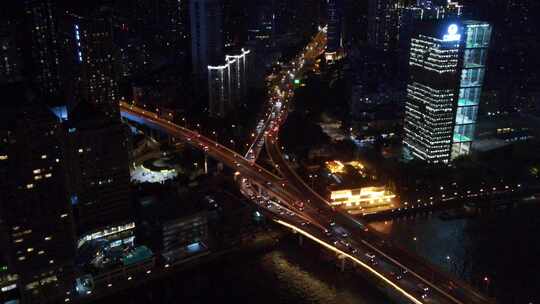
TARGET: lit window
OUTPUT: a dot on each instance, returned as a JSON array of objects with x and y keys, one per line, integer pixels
[
  {"x": 37, "y": 171},
  {"x": 29, "y": 249},
  {"x": 3, "y": 157},
  {"x": 21, "y": 258},
  {"x": 18, "y": 240},
  {"x": 29, "y": 186},
  {"x": 81, "y": 150},
  {"x": 48, "y": 238},
  {"x": 41, "y": 252},
  {"x": 48, "y": 175},
  {"x": 44, "y": 156},
  {"x": 63, "y": 215}
]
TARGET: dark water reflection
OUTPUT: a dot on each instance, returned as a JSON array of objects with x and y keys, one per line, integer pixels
[
  {"x": 288, "y": 274},
  {"x": 502, "y": 246}
]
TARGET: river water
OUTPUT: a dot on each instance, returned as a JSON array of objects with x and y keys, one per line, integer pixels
[
  {"x": 502, "y": 246},
  {"x": 286, "y": 274},
  {"x": 497, "y": 252}
]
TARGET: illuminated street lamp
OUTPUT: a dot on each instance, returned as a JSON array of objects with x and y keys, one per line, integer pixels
[{"x": 487, "y": 281}]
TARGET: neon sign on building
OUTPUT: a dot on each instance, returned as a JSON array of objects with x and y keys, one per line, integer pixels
[{"x": 452, "y": 34}]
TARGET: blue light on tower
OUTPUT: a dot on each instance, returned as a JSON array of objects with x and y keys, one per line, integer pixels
[{"x": 452, "y": 34}]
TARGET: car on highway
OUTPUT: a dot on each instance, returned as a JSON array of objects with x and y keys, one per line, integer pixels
[
  {"x": 396, "y": 276},
  {"x": 423, "y": 287},
  {"x": 370, "y": 255}
]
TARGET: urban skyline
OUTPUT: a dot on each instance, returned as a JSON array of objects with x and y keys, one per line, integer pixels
[{"x": 377, "y": 143}]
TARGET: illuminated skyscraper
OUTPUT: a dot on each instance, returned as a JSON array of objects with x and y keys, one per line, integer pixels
[
  {"x": 447, "y": 66},
  {"x": 227, "y": 83},
  {"x": 383, "y": 24},
  {"x": 99, "y": 170},
  {"x": 206, "y": 35},
  {"x": 41, "y": 21},
  {"x": 262, "y": 23},
  {"x": 10, "y": 63},
  {"x": 424, "y": 10},
  {"x": 36, "y": 227},
  {"x": 335, "y": 12},
  {"x": 95, "y": 61}
]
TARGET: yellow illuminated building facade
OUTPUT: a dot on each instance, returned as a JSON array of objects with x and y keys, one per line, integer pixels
[
  {"x": 364, "y": 200},
  {"x": 336, "y": 166}
]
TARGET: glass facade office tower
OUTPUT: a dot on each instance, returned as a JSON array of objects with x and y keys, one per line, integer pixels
[{"x": 447, "y": 67}]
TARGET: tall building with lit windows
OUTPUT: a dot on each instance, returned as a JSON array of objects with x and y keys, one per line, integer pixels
[
  {"x": 423, "y": 10},
  {"x": 36, "y": 228},
  {"x": 227, "y": 83},
  {"x": 10, "y": 61},
  {"x": 41, "y": 22},
  {"x": 206, "y": 35},
  {"x": 447, "y": 66},
  {"x": 96, "y": 61},
  {"x": 383, "y": 16},
  {"x": 99, "y": 182},
  {"x": 335, "y": 27}
]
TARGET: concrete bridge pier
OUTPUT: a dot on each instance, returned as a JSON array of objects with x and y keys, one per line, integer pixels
[
  {"x": 219, "y": 167},
  {"x": 343, "y": 261}
]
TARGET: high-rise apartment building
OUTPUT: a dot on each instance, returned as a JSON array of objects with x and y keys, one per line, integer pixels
[
  {"x": 36, "y": 227},
  {"x": 41, "y": 22},
  {"x": 206, "y": 35},
  {"x": 10, "y": 55},
  {"x": 96, "y": 61},
  {"x": 335, "y": 27},
  {"x": 227, "y": 83},
  {"x": 383, "y": 16},
  {"x": 262, "y": 23},
  {"x": 447, "y": 66}
]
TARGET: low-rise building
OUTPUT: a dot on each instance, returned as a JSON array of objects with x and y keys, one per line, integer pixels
[{"x": 364, "y": 200}]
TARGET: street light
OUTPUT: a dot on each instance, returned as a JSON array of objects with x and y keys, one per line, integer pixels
[{"x": 487, "y": 281}]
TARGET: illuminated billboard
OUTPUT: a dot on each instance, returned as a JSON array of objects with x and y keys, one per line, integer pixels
[{"x": 452, "y": 33}]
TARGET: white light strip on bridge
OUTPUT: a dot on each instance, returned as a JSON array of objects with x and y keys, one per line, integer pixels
[{"x": 401, "y": 290}]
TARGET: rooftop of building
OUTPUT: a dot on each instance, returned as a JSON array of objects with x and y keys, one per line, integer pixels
[
  {"x": 161, "y": 203},
  {"x": 20, "y": 102},
  {"x": 86, "y": 115}
]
